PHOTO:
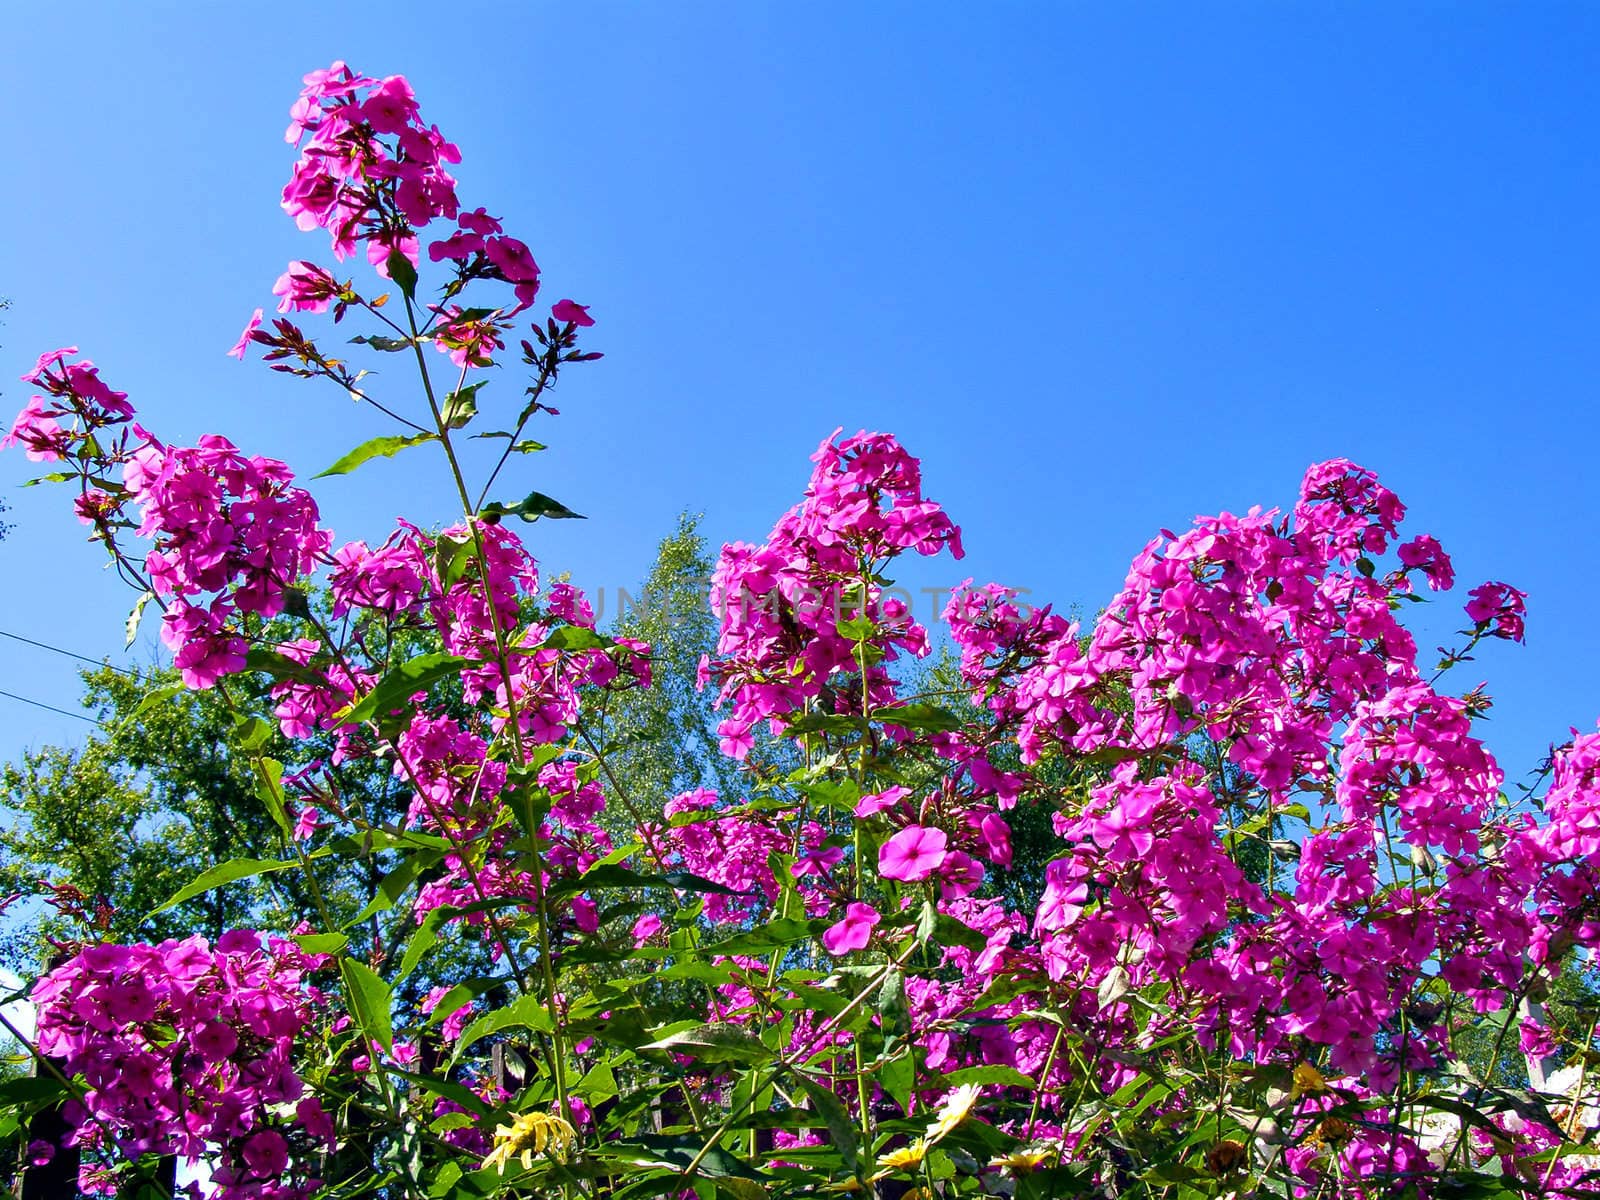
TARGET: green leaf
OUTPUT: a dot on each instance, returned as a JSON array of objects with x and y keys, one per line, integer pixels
[
  {"x": 444, "y": 1180},
  {"x": 825, "y": 723},
  {"x": 393, "y": 885},
  {"x": 928, "y": 717},
  {"x": 609, "y": 876},
  {"x": 599, "y": 1082},
  {"x": 783, "y": 931},
  {"x": 676, "y": 1151},
  {"x": 527, "y": 1012},
  {"x": 1173, "y": 1173},
  {"x": 1464, "y": 1111},
  {"x": 857, "y": 629},
  {"x": 379, "y": 447},
  {"x": 1112, "y": 755},
  {"x": 715, "y": 1041},
  {"x": 403, "y": 273},
  {"x": 945, "y": 930},
  {"x": 132, "y": 626},
  {"x": 238, "y": 868},
  {"x": 321, "y": 943},
  {"x": 994, "y": 1074},
  {"x": 281, "y": 666},
  {"x": 452, "y": 556},
  {"x": 526, "y": 446},
  {"x": 397, "y": 686},
  {"x": 576, "y": 637},
  {"x": 1009, "y": 987},
  {"x": 251, "y": 733},
  {"x": 533, "y": 506},
  {"x": 891, "y": 1003},
  {"x": 387, "y": 344},
  {"x": 371, "y": 999},
  {"x": 269, "y": 787},
  {"x": 462, "y": 993},
  {"x": 736, "y": 1188},
  {"x": 840, "y": 794},
  {"x": 461, "y": 406},
  {"x": 152, "y": 699},
  {"x": 30, "y": 1089},
  {"x": 420, "y": 942},
  {"x": 846, "y": 1137},
  {"x": 462, "y": 1095},
  {"x": 897, "y": 1076}
]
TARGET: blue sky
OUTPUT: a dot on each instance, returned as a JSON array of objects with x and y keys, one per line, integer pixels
[{"x": 1102, "y": 268}]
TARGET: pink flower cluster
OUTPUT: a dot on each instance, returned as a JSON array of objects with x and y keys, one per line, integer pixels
[
  {"x": 188, "y": 1049},
  {"x": 223, "y": 524},
  {"x": 374, "y": 175},
  {"x": 352, "y": 182},
  {"x": 1275, "y": 641},
  {"x": 784, "y": 604},
  {"x": 75, "y": 393},
  {"x": 231, "y": 533}
]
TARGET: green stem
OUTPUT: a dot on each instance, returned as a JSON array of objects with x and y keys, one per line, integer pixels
[
  {"x": 790, "y": 1062},
  {"x": 530, "y": 824}
]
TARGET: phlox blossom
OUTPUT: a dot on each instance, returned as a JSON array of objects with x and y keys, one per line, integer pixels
[
  {"x": 913, "y": 854},
  {"x": 852, "y": 933}
]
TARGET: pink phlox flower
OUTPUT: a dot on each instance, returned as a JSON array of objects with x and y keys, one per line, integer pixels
[
  {"x": 913, "y": 854},
  {"x": 853, "y": 932}
]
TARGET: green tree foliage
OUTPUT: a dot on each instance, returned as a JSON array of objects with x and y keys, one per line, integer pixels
[
  {"x": 155, "y": 796},
  {"x": 662, "y": 740},
  {"x": 161, "y": 791}
]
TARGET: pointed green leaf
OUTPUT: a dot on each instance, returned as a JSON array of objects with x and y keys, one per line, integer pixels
[
  {"x": 152, "y": 699},
  {"x": 403, "y": 273},
  {"x": 321, "y": 943},
  {"x": 715, "y": 1041},
  {"x": 281, "y": 666},
  {"x": 379, "y": 447},
  {"x": 238, "y": 868},
  {"x": 783, "y": 931},
  {"x": 397, "y": 686},
  {"x": 533, "y": 506},
  {"x": 269, "y": 787},
  {"x": 992, "y": 1074},
  {"x": 132, "y": 627},
  {"x": 609, "y": 876},
  {"x": 387, "y": 344},
  {"x": 527, "y": 1012},
  {"x": 461, "y": 406},
  {"x": 463, "y": 993},
  {"x": 928, "y": 717},
  {"x": 576, "y": 637},
  {"x": 393, "y": 885},
  {"x": 371, "y": 998},
  {"x": 841, "y": 1129}
]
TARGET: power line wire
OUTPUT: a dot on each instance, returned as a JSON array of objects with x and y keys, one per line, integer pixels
[
  {"x": 17, "y": 637},
  {"x": 48, "y": 707}
]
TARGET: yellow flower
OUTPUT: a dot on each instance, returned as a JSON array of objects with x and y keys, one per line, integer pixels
[
  {"x": 904, "y": 1159},
  {"x": 529, "y": 1134},
  {"x": 1308, "y": 1081},
  {"x": 956, "y": 1109},
  {"x": 1025, "y": 1160}
]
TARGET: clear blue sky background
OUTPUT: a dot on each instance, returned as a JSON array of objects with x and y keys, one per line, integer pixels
[{"x": 1103, "y": 268}]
